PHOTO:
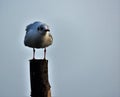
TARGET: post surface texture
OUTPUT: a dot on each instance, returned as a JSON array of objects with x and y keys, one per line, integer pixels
[{"x": 40, "y": 86}]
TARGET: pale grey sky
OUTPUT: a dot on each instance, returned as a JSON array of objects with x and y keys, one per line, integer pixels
[{"x": 84, "y": 60}]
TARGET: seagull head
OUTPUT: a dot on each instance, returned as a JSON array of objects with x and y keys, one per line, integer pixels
[{"x": 43, "y": 29}]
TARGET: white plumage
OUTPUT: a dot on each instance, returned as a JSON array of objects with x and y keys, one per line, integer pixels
[{"x": 38, "y": 36}]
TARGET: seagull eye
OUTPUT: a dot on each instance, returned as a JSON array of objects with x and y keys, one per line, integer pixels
[{"x": 40, "y": 28}]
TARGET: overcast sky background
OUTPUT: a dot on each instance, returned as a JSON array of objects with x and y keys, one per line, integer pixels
[{"x": 84, "y": 60}]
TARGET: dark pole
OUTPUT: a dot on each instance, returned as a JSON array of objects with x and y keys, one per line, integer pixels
[{"x": 40, "y": 86}]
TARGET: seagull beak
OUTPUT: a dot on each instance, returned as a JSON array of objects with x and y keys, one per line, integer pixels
[{"x": 47, "y": 30}]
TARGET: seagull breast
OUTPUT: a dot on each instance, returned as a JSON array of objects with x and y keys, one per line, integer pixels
[{"x": 47, "y": 40}]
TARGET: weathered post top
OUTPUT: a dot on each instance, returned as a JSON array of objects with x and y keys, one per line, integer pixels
[{"x": 40, "y": 86}]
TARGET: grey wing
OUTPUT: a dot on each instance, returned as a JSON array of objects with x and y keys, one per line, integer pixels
[{"x": 27, "y": 36}]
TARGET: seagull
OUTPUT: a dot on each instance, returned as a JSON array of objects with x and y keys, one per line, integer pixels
[{"x": 38, "y": 36}]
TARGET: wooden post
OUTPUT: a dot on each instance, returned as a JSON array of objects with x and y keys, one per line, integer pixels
[{"x": 40, "y": 86}]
